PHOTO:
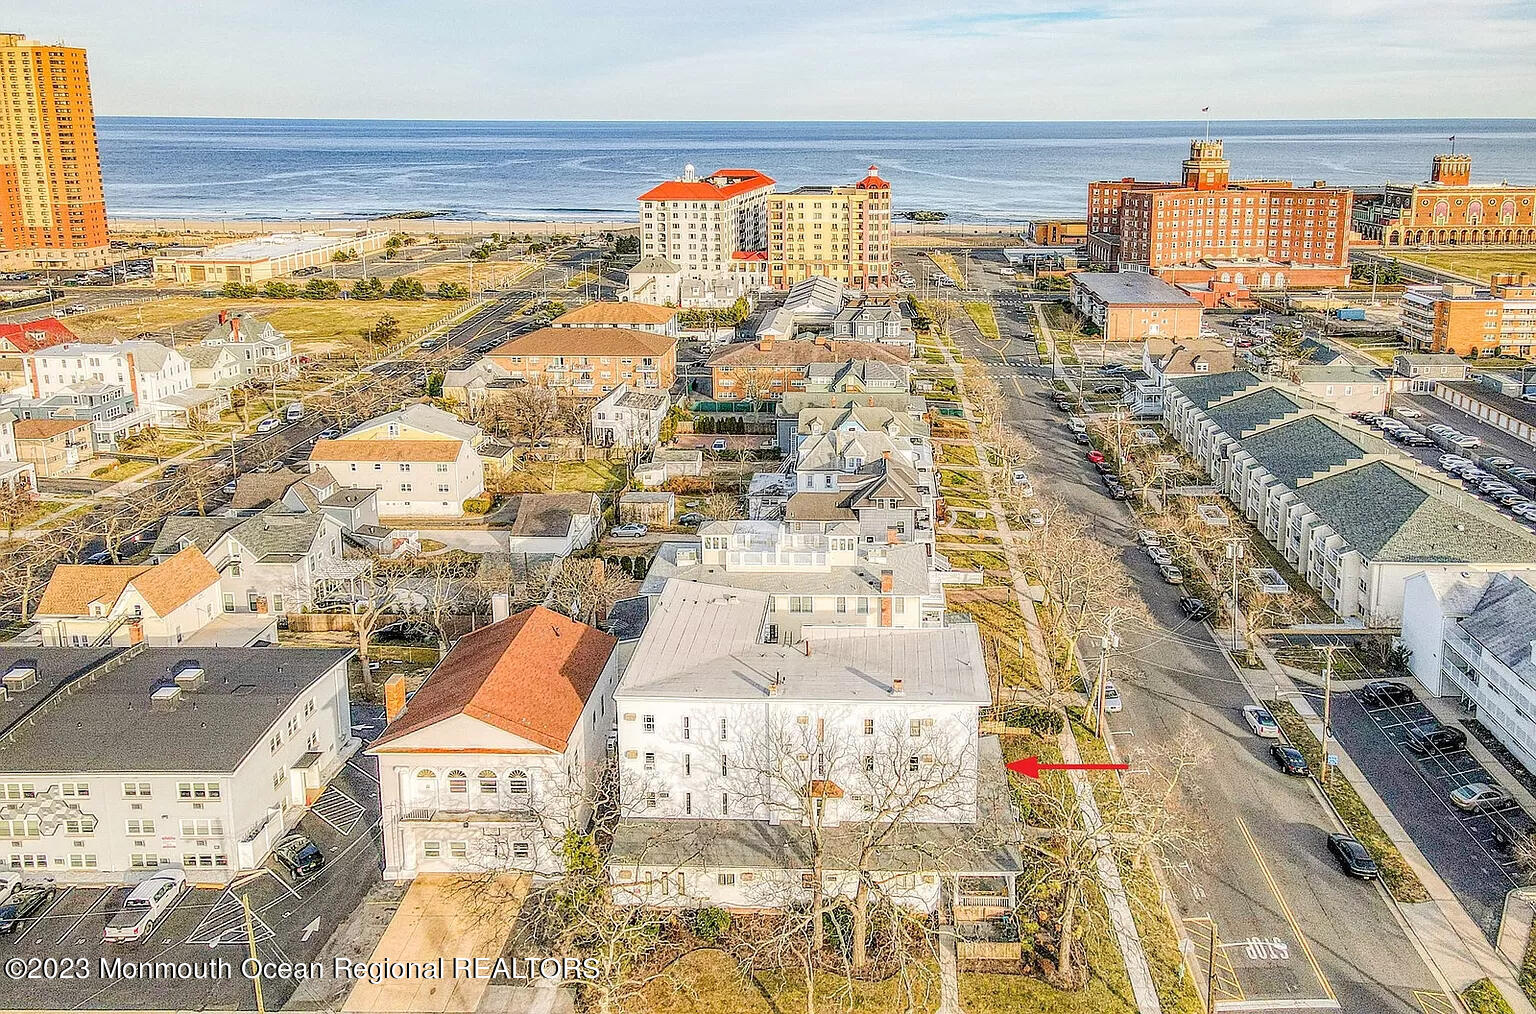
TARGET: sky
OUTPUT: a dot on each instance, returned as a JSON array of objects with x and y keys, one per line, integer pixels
[{"x": 797, "y": 59}]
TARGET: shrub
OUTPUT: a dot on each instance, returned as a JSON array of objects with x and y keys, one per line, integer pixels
[
  {"x": 710, "y": 924},
  {"x": 477, "y": 505},
  {"x": 1483, "y": 997},
  {"x": 1043, "y": 721}
]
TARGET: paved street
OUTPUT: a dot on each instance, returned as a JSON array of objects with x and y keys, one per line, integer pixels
[{"x": 1293, "y": 931}]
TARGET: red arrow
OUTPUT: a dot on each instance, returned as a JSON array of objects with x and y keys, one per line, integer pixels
[{"x": 1031, "y": 767}]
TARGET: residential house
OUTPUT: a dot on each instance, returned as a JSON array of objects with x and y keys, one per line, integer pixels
[
  {"x": 275, "y": 561},
  {"x": 1132, "y": 305},
  {"x": 1422, "y": 370},
  {"x": 214, "y": 366},
  {"x": 883, "y": 499},
  {"x": 654, "y": 280},
  {"x": 500, "y": 750},
  {"x": 769, "y": 368},
  {"x": 413, "y": 477},
  {"x": 1473, "y": 637},
  {"x": 52, "y": 446},
  {"x": 1350, "y": 512},
  {"x": 881, "y": 322},
  {"x": 14, "y": 471},
  {"x": 1343, "y": 386},
  {"x": 668, "y": 463},
  {"x": 151, "y": 372},
  {"x": 589, "y": 362},
  {"x": 87, "y": 605},
  {"x": 118, "y": 761},
  {"x": 259, "y": 347},
  {"x": 417, "y": 421},
  {"x": 858, "y": 376},
  {"x": 472, "y": 384},
  {"x": 627, "y": 417},
  {"x": 31, "y": 335},
  {"x": 1163, "y": 359},
  {"x": 631, "y": 316},
  {"x": 647, "y": 508},
  {"x": 109, "y": 409},
  {"x": 787, "y": 410},
  {"x": 734, "y": 748}
]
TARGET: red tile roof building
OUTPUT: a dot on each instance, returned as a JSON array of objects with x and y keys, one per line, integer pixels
[
  {"x": 1209, "y": 228},
  {"x": 34, "y": 335},
  {"x": 701, "y": 224}
]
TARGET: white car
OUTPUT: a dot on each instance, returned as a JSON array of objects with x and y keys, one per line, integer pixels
[
  {"x": 1261, "y": 722},
  {"x": 1478, "y": 796},
  {"x": 633, "y": 530},
  {"x": 1112, "y": 703},
  {"x": 1036, "y": 519},
  {"x": 1148, "y": 538},
  {"x": 1160, "y": 556},
  {"x": 144, "y": 906},
  {"x": 1451, "y": 462},
  {"x": 1409, "y": 413},
  {"x": 1466, "y": 443},
  {"x": 8, "y": 884}
]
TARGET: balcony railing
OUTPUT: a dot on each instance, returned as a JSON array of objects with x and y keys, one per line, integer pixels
[{"x": 436, "y": 815}]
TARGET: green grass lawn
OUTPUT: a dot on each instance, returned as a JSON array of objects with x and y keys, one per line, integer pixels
[
  {"x": 567, "y": 477},
  {"x": 986, "y": 320},
  {"x": 957, "y": 454},
  {"x": 1473, "y": 263}
]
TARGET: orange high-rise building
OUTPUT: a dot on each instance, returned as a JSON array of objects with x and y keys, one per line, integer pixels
[{"x": 52, "y": 213}]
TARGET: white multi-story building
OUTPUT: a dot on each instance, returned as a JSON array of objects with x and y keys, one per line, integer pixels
[
  {"x": 500, "y": 751},
  {"x": 1353, "y": 515},
  {"x": 700, "y": 225},
  {"x": 421, "y": 459},
  {"x": 1473, "y": 636},
  {"x": 739, "y": 754},
  {"x": 813, "y": 578},
  {"x": 151, "y": 372},
  {"x": 628, "y": 417},
  {"x": 118, "y": 761}
]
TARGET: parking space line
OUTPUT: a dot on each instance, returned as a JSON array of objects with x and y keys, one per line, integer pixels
[
  {"x": 1434, "y": 1002},
  {"x": 37, "y": 920},
  {"x": 71, "y": 927},
  {"x": 1285, "y": 909}
]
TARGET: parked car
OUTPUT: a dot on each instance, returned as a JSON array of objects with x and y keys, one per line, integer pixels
[
  {"x": 1095, "y": 456},
  {"x": 300, "y": 856},
  {"x": 144, "y": 906},
  {"x": 1409, "y": 413},
  {"x": 1290, "y": 759},
  {"x": 1082, "y": 438},
  {"x": 171, "y": 470},
  {"x": 1194, "y": 608},
  {"x": 1440, "y": 428},
  {"x": 718, "y": 445},
  {"x": 98, "y": 558},
  {"x": 1498, "y": 462},
  {"x": 1148, "y": 538},
  {"x": 1521, "y": 472},
  {"x": 305, "y": 272},
  {"x": 25, "y": 901},
  {"x": 633, "y": 530},
  {"x": 230, "y": 487},
  {"x": 1475, "y": 797},
  {"x": 1112, "y": 704},
  {"x": 1380, "y": 693},
  {"x": 1171, "y": 574},
  {"x": 1432, "y": 737},
  {"x": 1117, "y": 491},
  {"x": 1465, "y": 442},
  {"x": 1353, "y": 857},
  {"x": 1261, "y": 722},
  {"x": 1417, "y": 440},
  {"x": 1159, "y": 555},
  {"x": 1036, "y": 519},
  {"x": 267, "y": 425},
  {"x": 1451, "y": 462},
  {"x": 691, "y": 519},
  {"x": 329, "y": 433},
  {"x": 1107, "y": 389},
  {"x": 9, "y": 883}
]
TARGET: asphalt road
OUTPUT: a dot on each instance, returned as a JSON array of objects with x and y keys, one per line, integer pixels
[{"x": 1291, "y": 927}]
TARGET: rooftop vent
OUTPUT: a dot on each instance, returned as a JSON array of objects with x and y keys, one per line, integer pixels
[
  {"x": 164, "y": 698},
  {"x": 687, "y": 557},
  {"x": 21, "y": 676},
  {"x": 190, "y": 675}
]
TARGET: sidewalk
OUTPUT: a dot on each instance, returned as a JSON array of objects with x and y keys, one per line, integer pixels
[{"x": 1122, "y": 921}]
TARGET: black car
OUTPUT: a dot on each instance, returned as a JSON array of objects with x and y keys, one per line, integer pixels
[
  {"x": 1353, "y": 857},
  {"x": 1108, "y": 389},
  {"x": 298, "y": 855},
  {"x": 691, "y": 519},
  {"x": 1433, "y": 737},
  {"x": 1104, "y": 467},
  {"x": 27, "y": 900},
  {"x": 171, "y": 469},
  {"x": 1116, "y": 490},
  {"x": 1195, "y": 609},
  {"x": 1290, "y": 759},
  {"x": 1380, "y": 693}
]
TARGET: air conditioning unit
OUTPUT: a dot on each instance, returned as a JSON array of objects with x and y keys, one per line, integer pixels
[
  {"x": 197, "y": 806},
  {"x": 189, "y": 675},
  {"x": 135, "y": 806},
  {"x": 139, "y": 843}
]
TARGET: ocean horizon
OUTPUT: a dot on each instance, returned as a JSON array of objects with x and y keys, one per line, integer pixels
[{"x": 541, "y": 170}]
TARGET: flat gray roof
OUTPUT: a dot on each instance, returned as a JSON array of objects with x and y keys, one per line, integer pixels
[
  {"x": 1131, "y": 288},
  {"x": 90, "y": 710}
]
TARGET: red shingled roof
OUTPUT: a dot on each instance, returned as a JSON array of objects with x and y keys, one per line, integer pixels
[
  {"x": 530, "y": 674},
  {"x": 873, "y": 180},
  {"x": 35, "y": 334},
  {"x": 739, "y": 181}
]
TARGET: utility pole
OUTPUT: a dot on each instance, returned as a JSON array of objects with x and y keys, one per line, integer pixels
[
  {"x": 1327, "y": 708},
  {"x": 1235, "y": 554}
]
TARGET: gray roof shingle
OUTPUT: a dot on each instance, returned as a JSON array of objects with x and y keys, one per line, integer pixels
[
  {"x": 1241, "y": 415},
  {"x": 1301, "y": 449},
  {"x": 1205, "y": 390}
]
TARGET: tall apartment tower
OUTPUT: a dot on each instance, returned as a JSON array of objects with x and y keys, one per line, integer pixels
[
  {"x": 52, "y": 213},
  {"x": 842, "y": 232}
]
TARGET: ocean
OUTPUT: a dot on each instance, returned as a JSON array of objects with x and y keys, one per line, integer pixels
[{"x": 548, "y": 170}]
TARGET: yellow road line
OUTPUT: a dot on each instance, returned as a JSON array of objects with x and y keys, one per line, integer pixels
[
  {"x": 1285, "y": 909},
  {"x": 1227, "y": 985},
  {"x": 1434, "y": 1002}
]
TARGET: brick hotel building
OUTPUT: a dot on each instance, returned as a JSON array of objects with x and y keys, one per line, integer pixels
[
  {"x": 1209, "y": 229},
  {"x": 1449, "y": 210},
  {"x": 52, "y": 213}
]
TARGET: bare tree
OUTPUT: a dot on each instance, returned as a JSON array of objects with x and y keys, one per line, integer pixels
[
  {"x": 380, "y": 593},
  {"x": 444, "y": 583},
  {"x": 755, "y": 384},
  {"x": 585, "y": 588},
  {"x": 17, "y": 501}
]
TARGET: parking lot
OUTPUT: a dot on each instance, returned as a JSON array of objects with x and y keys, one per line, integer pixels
[
  {"x": 1470, "y": 851},
  {"x": 290, "y": 921}
]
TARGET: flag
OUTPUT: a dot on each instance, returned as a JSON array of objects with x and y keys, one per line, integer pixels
[
  {"x": 1206, "y": 109},
  {"x": 1453, "y": 137}
]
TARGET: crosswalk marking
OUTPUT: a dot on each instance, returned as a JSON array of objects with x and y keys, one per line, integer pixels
[
  {"x": 338, "y": 809},
  {"x": 225, "y": 923}
]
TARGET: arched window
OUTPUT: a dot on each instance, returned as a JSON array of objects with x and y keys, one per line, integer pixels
[
  {"x": 517, "y": 782},
  {"x": 1442, "y": 212},
  {"x": 487, "y": 780},
  {"x": 458, "y": 782},
  {"x": 425, "y": 773}
]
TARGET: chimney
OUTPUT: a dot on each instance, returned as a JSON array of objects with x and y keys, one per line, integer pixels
[
  {"x": 896, "y": 687},
  {"x": 824, "y": 340},
  {"x": 765, "y": 343},
  {"x": 886, "y": 455},
  {"x": 234, "y": 328},
  {"x": 394, "y": 697},
  {"x": 807, "y": 647},
  {"x": 223, "y": 316},
  {"x": 887, "y": 581},
  {"x": 501, "y": 606}
]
